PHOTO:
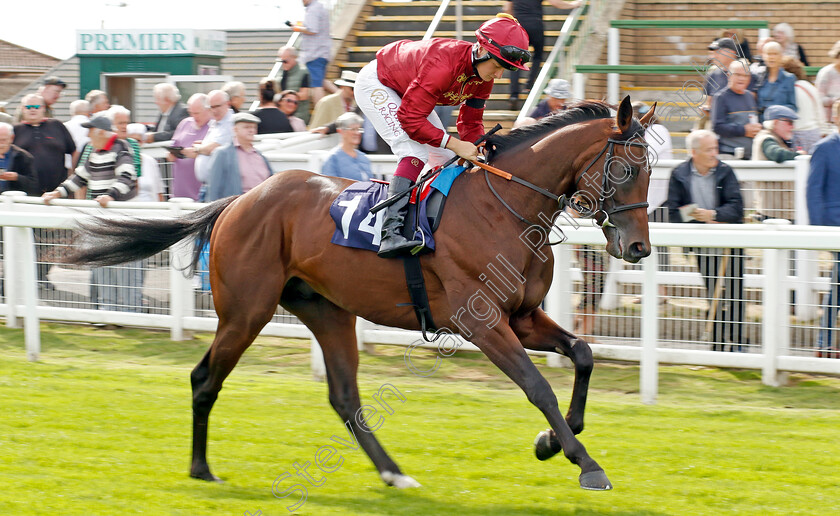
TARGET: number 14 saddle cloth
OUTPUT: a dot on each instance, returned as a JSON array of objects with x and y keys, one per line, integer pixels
[{"x": 356, "y": 227}]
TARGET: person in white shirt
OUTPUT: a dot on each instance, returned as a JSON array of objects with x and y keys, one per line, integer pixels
[
  {"x": 808, "y": 128},
  {"x": 80, "y": 113},
  {"x": 219, "y": 134}
]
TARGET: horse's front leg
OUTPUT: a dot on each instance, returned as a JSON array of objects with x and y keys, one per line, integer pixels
[
  {"x": 538, "y": 332},
  {"x": 503, "y": 348}
]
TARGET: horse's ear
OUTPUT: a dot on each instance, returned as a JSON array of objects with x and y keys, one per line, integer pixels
[
  {"x": 648, "y": 117},
  {"x": 625, "y": 115}
]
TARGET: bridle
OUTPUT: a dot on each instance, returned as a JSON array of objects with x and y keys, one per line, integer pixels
[{"x": 562, "y": 200}]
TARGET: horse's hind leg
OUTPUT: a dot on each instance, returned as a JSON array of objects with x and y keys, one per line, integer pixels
[
  {"x": 240, "y": 321},
  {"x": 335, "y": 330},
  {"x": 538, "y": 332}
]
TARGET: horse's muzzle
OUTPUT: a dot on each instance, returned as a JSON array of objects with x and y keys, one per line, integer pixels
[{"x": 636, "y": 251}]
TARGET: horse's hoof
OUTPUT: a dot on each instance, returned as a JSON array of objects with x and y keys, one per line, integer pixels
[
  {"x": 595, "y": 481},
  {"x": 206, "y": 475},
  {"x": 397, "y": 480},
  {"x": 546, "y": 445}
]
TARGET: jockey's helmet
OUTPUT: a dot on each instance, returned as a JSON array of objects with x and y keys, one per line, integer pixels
[{"x": 505, "y": 40}]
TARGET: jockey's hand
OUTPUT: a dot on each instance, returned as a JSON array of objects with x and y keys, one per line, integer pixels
[{"x": 466, "y": 150}]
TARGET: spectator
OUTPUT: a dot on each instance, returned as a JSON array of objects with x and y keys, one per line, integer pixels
[
  {"x": 557, "y": 93},
  {"x": 808, "y": 128},
  {"x": 329, "y": 108},
  {"x": 98, "y": 101},
  {"x": 737, "y": 35},
  {"x": 783, "y": 34},
  {"x": 776, "y": 86},
  {"x": 272, "y": 119},
  {"x": 172, "y": 111},
  {"x": 347, "y": 160},
  {"x": 289, "y": 101},
  {"x": 219, "y": 133},
  {"x": 51, "y": 92},
  {"x": 120, "y": 117},
  {"x": 191, "y": 129},
  {"x": 529, "y": 13},
  {"x": 79, "y": 112},
  {"x": 316, "y": 44},
  {"x": 49, "y": 143},
  {"x": 734, "y": 115},
  {"x": 828, "y": 81},
  {"x": 17, "y": 171},
  {"x": 238, "y": 167},
  {"x": 236, "y": 92},
  {"x": 108, "y": 172},
  {"x": 47, "y": 140},
  {"x": 773, "y": 143},
  {"x": 5, "y": 117},
  {"x": 710, "y": 184},
  {"x": 149, "y": 182},
  {"x": 822, "y": 193},
  {"x": 722, "y": 52},
  {"x": 294, "y": 76}
]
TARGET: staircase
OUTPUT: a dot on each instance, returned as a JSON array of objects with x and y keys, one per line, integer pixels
[{"x": 382, "y": 22}]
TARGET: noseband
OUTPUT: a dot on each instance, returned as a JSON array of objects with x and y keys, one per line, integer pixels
[{"x": 563, "y": 201}]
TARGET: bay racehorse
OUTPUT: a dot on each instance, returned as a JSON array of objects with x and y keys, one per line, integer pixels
[{"x": 272, "y": 245}]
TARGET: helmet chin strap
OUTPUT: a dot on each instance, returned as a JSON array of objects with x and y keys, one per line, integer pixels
[{"x": 476, "y": 60}]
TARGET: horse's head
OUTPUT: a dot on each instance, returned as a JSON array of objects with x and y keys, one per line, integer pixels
[
  {"x": 586, "y": 155},
  {"x": 612, "y": 185}
]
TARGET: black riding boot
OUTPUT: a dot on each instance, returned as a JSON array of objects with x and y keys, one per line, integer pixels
[{"x": 393, "y": 242}]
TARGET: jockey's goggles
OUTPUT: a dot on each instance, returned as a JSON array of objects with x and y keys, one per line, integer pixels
[{"x": 514, "y": 55}]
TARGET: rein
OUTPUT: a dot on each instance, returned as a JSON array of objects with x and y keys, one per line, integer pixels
[{"x": 562, "y": 200}]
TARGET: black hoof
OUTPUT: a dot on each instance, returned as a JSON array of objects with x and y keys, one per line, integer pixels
[
  {"x": 547, "y": 445},
  {"x": 595, "y": 481},
  {"x": 206, "y": 475}
]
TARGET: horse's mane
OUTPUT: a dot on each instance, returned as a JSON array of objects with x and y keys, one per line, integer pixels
[{"x": 578, "y": 112}]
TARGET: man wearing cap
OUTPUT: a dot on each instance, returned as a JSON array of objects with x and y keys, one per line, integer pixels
[
  {"x": 51, "y": 91},
  {"x": 773, "y": 143},
  {"x": 108, "y": 172},
  {"x": 557, "y": 92},
  {"x": 329, "y": 108},
  {"x": 238, "y": 167}
]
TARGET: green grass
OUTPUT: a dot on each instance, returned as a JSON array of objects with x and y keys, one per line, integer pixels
[{"x": 101, "y": 425}]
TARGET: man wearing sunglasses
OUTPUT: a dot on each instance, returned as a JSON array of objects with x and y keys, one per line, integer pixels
[{"x": 399, "y": 90}]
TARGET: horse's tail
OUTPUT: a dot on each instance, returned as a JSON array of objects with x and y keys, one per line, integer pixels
[{"x": 104, "y": 241}]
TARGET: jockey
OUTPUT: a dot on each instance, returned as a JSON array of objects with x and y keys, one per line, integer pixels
[{"x": 399, "y": 90}]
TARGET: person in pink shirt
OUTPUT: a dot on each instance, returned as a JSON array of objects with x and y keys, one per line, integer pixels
[{"x": 190, "y": 130}]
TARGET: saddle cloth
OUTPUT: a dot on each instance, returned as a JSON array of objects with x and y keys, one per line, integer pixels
[{"x": 356, "y": 227}]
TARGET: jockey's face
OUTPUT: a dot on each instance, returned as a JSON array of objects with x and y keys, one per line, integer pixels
[{"x": 490, "y": 69}]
